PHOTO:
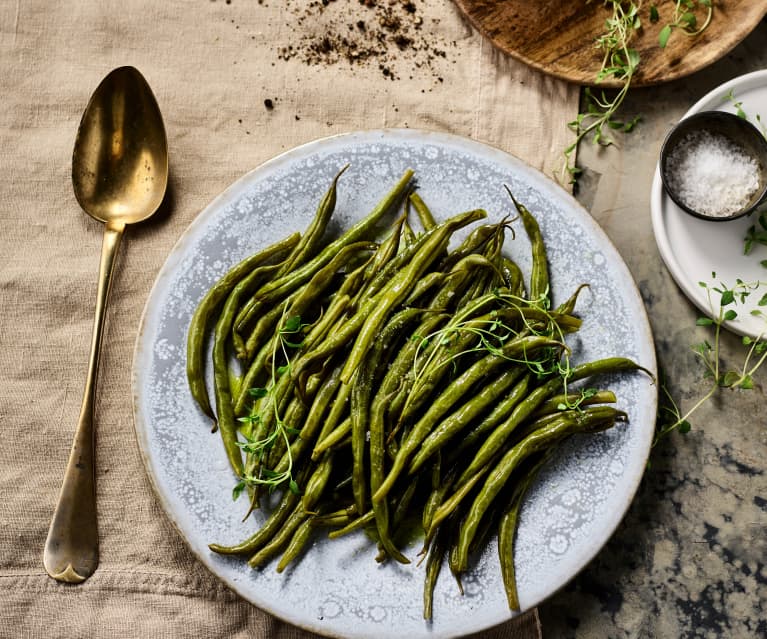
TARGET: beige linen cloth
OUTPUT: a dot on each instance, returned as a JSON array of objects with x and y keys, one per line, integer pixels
[{"x": 211, "y": 65}]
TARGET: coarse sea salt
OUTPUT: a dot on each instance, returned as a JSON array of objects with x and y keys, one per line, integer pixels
[{"x": 711, "y": 174}]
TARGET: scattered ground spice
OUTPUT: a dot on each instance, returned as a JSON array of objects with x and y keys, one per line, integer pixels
[
  {"x": 269, "y": 104},
  {"x": 389, "y": 34}
]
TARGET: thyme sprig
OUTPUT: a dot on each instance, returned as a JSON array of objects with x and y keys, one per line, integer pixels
[
  {"x": 619, "y": 61},
  {"x": 723, "y": 301}
]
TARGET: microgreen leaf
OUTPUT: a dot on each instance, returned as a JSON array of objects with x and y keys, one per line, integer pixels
[{"x": 237, "y": 490}]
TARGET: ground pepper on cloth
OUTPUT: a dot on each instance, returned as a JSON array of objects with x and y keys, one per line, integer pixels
[{"x": 391, "y": 34}]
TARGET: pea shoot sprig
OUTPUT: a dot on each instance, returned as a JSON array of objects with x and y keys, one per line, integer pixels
[
  {"x": 265, "y": 401},
  {"x": 725, "y": 299}
]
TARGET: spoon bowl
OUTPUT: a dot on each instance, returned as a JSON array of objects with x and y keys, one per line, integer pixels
[
  {"x": 119, "y": 175},
  {"x": 120, "y": 159},
  {"x": 728, "y": 128}
]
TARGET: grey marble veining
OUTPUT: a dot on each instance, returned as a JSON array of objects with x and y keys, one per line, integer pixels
[{"x": 689, "y": 559}]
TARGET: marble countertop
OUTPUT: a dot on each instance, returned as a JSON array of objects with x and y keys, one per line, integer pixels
[{"x": 689, "y": 558}]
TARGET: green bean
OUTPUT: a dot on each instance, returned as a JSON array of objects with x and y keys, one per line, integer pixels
[
  {"x": 316, "y": 483},
  {"x": 227, "y": 425},
  {"x": 312, "y": 424},
  {"x": 433, "y": 567},
  {"x": 440, "y": 486},
  {"x": 294, "y": 415},
  {"x": 323, "y": 278},
  {"x": 450, "y": 505},
  {"x": 400, "y": 286},
  {"x": 289, "y": 282},
  {"x": 473, "y": 243},
  {"x": 559, "y": 402},
  {"x": 539, "y": 277},
  {"x": 386, "y": 251},
  {"x": 435, "y": 367},
  {"x": 515, "y": 281},
  {"x": 358, "y": 523},
  {"x": 361, "y": 384},
  {"x": 423, "y": 212},
  {"x": 266, "y": 325},
  {"x": 536, "y": 441},
  {"x": 375, "y": 421},
  {"x": 425, "y": 284},
  {"x": 333, "y": 438},
  {"x": 280, "y": 540},
  {"x": 337, "y": 518},
  {"x": 520, "y": 346},
  {"x": 203, "y": 316},
  {"x": 458, "y": 420},
  {"x": 568, "y": 306},
  {"x": 313, "y": 235},
  {"x": 297, "y": 544},
  {"x": 271, "y": 526},
  {"x": 498, "y": 414},
  {"x": 507, "y": 529},
  {"x": 496, "y": 439}
]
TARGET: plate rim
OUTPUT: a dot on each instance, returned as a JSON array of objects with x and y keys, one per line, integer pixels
[
  {"x": 631, "y": 483},
  {"x": 659, "y": 200}
]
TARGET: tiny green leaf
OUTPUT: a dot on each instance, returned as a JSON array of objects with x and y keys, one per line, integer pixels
[
  {"x": 704, "y": 321},
  {"x": 728, "y": 297},
  {"x": 730, "y": 315},
  {"x": 257, "y": 392},
  {"x": 663, "y": 36},
  {"x": 654, "y": 16},
  {"x": 684, "y": 427},
  {"x": 237, "y": 490},
  {"x": 294, "y": 487},
  {"x": 292, "y": 324}
]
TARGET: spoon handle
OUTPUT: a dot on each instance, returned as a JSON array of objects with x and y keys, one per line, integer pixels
[{"x": 72, "y": 549}]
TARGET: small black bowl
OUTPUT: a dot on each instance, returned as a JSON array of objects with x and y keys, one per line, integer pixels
[{"x": 736, "y": 129}]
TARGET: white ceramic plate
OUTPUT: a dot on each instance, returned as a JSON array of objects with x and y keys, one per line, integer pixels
[
  {"x": 337, "y": 588},
  {"x": 693, "y": 249}
]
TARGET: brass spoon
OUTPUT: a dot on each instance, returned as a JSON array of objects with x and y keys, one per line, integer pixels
[{"x": 119, "y": 173}]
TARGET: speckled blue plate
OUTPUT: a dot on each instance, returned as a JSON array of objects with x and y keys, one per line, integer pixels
[{"x": 337, "y": 588}]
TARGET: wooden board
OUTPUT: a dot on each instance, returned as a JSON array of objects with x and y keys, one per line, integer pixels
[{"x": 557, "y": 36}]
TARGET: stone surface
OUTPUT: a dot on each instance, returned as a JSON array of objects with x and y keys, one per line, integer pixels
[{"x": 689, "y": 558}]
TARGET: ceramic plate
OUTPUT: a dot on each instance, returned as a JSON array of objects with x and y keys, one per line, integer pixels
[
  {"x": 337, "y": 588},
  {"x": 693, "y": 249}
]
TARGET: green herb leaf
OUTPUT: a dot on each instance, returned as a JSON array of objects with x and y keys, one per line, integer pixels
[
  {"x": 663, "y": 36},
  {"x": 237, "y": 490},
  {"x": 294, "y": 487},
  {"x": 257, "y": 392},
  {"x": 704, "y": 321},
  {"x": 654, "y": 16},
  {"x": 728, "y": 297},
  {"x": 292, "y": 324}
]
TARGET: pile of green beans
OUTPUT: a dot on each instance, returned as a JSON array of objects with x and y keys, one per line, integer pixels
[{"x": 393, "y": 385}]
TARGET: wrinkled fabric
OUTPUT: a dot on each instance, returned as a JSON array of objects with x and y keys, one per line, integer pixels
[{"x": 211, "y": 66}]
